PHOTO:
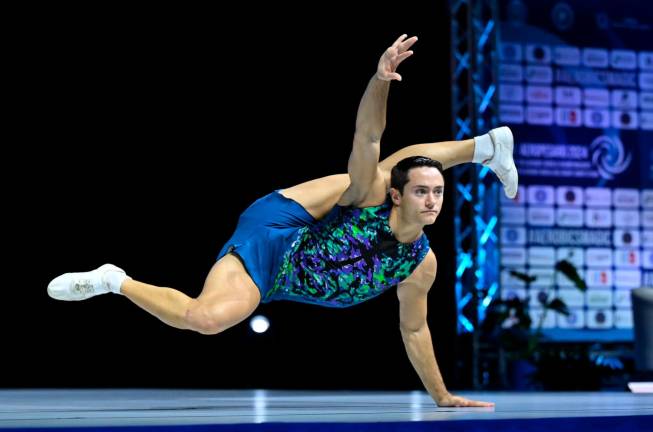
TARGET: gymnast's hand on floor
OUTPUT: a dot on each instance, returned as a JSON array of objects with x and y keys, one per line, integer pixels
[
  {"x": 450, "y": 400},
  {"x": 393, "y": 56}
]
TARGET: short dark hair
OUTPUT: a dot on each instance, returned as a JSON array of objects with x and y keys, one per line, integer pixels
[{"x": 399, "y": 173}]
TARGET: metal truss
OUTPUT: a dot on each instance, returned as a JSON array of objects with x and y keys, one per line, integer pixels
[{"x": 474, "y": 65}]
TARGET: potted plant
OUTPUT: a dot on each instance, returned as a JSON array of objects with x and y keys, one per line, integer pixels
[{"x": 508, "y": 323}]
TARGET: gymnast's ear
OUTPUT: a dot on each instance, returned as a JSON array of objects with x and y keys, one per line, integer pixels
[{"x": 395, "y": 195}]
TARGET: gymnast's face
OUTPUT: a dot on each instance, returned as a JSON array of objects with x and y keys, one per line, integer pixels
[{"x": 421, "y": 199}]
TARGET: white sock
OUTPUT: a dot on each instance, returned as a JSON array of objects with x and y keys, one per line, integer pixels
[
  {"x": 483, "y": 149},
  {"x": 115, "y": 280}
]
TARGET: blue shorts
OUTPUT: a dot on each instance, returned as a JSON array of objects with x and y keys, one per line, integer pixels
[{"x": 265, "y": 231}]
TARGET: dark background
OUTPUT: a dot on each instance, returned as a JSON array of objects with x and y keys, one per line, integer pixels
[{"x": 147, "y": 132}]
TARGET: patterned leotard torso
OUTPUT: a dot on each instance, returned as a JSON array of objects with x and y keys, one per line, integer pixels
[{"x": 346, "y": 258}]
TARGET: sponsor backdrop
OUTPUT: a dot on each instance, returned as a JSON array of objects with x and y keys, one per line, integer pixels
[{"x": 576, "y": 87}]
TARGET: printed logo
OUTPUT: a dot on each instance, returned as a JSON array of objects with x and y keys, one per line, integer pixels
[
  {"x": 596, "y": 97},
  {"x": 595, "y": 57},
  {"x": 513, "y": 256},
  {"x": 541, "y": 216},
  {"x": 646, "y": 100},
  {"x": 511, "y": 52},
  {"x": 624, "y": 99},
  {"x": 539, "y": 115},
  {"x": 608, "y": 156},
  {"x": 626, "y": 238},
  {"x": 623, "y": 318},
  {"x": 568, "y": 116},
  {"x": 598, "y": 218},
  {"x": 541, "y": 195},
  {"x": 510, "y": 72},
  {"x": 599, "y": 257},
  {"x": 628, "y": 278},
  {"x": 562, "y": 16},
  {"x": 569, "y": 217},
  {"x": 624, "y": 119},
  {"x": 569, "y": 196},
  {"x": 513, "y": 215},
  {"x": 598, "y": 197},
  {"x": 623, "y": 197},
  {"x": 567, "y": 95},
  {"x": 566, "y": 56},
  {"x": 647, "y": 259},
  {"x": 646, "y": 60},
  {"x": 623, "y": 59},
  {"x": 646, "y": 120},
  {"x": 538, "y": 54},
  {"x": 511, "y": 113},
  {"x": 599, "y": 298},
  {"x": 511, "y": 93},
  {"x": 647, "y": 219},
  {"x": 646, "y": 81},
  {"x": 539, "y": 94},
  {"x": 627, "y": 257},
  {"x": 626, "y": 218},
  {"x": 539, "y": 74},
  {"x": 595, "y": 118},
  {"x": 647, "y": 198}
]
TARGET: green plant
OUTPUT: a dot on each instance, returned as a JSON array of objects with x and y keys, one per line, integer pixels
[{"x": 508, "y": 320}]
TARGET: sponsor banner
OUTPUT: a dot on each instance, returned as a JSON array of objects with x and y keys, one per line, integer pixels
[
  {"x": 513, "y": 256},
  {"x": 647, "y": 218},
  {"x": 627, "y": 279},
  {"x": 541, "y": 216},
  {"x": 511, "y": 113},
  {"x": 576, "y": 256},
  {"x": 536, "y": 53},
  {"x": 647, "y": 198},
  {"x": 513, "y": 215},
  {"x": 567, "y": 55},
  {"x": 511, "y": 72},
  {"x": 647, "y": 260},
  {"x": 623, "y": 318},
  {"x": 596, "y": 118},
  {"x": 508, "y": 280},
  {"x": 595, "y": 57},
  {"x": 647, "y": 238},
  {"x": 623, "y": 59},
  {"x": 577, "y": 91},
  {"x": 600, "y": 278},
  {"x": 599, "y": 257},
  {"x": 626, "y": 218},
  {"x": 598, "y": 197},
  {"x": 575, "y": 319},
  {"x": 563, "y": 281},
  {"x": 626, "y": 238},
  {"x": 646, "y": 60},
  {"x": 572, "y": 297},
  {"x": 541, "y": 256},
  {"x": 628, "y": 258},
  {"x": 599, "y": 318},
  {"x": 598, "y": 218},
  {"x": 622, "y": 298},
  {"x": 569, "y": 217},
  {"x": 599, "y": 298},
  {"x": 513, "y": 236}
]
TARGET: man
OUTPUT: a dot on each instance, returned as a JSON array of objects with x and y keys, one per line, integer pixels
[{"x": 335, "y": 241}]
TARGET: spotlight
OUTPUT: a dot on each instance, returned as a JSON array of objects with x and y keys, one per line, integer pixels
[{"x": 259, "y": 324}]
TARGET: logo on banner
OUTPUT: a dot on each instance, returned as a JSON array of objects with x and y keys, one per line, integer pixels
[
  {"x": 608, "y": 156},
  {"x": 562, "y": 16}
]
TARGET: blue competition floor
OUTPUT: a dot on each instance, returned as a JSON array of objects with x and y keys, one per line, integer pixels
[{"x": 259, "y": 410}]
